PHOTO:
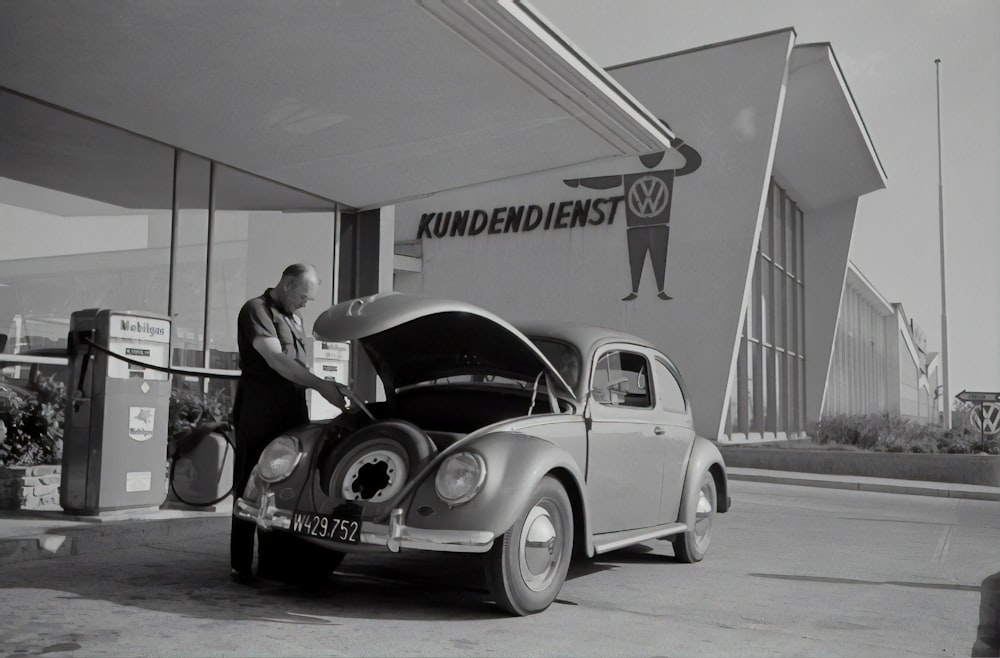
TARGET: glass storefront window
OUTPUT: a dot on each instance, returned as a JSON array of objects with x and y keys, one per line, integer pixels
[
  {"x": 770, "y": 375},
  {"x": 80, "y": 204},
  {"x": 87, "y": 220}
]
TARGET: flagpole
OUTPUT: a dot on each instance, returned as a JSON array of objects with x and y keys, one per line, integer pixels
[{"x": 944, "y": 300}]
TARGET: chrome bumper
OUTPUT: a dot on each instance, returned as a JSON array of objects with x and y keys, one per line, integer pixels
[{"x": 394, "y": 536}]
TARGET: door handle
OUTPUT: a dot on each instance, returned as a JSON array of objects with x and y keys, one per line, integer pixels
[{"x": 659, "y": 431}]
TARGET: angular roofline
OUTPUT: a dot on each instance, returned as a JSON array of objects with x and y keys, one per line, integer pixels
[
  {"x": 854, "y": 105},
  {"x": 708, "y": 46},
  {"x": 853, "y": 269}
]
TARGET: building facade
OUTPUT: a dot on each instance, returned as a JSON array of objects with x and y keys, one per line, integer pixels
[
  {"x": 729, "y": 250},
  {"x": 704, "y": 200},
  {"x": 880, "y": 363},
  {"x": 169, "y": 159}
]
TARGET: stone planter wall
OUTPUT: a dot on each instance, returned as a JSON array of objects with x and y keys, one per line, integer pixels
[
  {"x": 983, "y": 470},
  {"x": 30, "y": 487}
]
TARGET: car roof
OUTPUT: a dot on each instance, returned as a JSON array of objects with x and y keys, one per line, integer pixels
[{"x": 585, "y": 337}]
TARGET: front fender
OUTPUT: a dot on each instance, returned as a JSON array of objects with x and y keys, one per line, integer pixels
[
  {"x": 705, "y": 456},
  {"x": 515, "y": 463},
  {"x": 310, "y": 437}
]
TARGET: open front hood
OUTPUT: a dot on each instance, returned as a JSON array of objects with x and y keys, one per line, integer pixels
[{"x": 412, "y": 339}]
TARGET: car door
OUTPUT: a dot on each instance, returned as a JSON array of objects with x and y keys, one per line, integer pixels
[
  {"x": 625, "y": 452},
  {"x": 674, "y": 418}
]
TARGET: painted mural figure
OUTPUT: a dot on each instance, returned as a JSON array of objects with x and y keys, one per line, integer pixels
[{"x": 648, "y": 199}]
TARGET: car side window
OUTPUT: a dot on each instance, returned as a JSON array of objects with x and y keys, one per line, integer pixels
[
  {"x": 671, "y": 394},
  {"x": 621, "y": 379}
]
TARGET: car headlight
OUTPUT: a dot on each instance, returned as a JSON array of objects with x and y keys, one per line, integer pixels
[
  {"x": 254, "y": 488},
  {"x": 460, "y": 477},
  {"x": 279, "y": 459}
]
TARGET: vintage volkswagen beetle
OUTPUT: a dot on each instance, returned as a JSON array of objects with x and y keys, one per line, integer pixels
[{"x": 492, "y": 442}]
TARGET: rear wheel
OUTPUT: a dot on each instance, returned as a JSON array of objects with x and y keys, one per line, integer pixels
[
  {"x": 526, "y": 568},
  {"x": 693, "y": 544}
]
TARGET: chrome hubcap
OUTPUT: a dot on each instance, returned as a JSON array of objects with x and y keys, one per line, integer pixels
[
  {"x": 703, "y": 514},
  {"x": 541, "y": 548}
]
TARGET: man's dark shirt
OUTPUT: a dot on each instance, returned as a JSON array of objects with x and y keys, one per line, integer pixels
[{"x": 267, "y": 403}]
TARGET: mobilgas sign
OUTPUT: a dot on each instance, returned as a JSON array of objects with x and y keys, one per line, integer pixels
[{"x": 138, "y": 328}]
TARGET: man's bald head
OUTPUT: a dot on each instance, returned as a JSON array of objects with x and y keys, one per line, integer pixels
[{"x": 298, "y": 286}]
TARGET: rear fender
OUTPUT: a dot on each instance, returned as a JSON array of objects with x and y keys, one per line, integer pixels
[
  {"x": 515, "y": 463},
  {"x": 705, "y": 456}
]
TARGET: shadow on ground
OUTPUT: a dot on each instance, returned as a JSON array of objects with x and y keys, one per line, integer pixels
[{"x": 191, "y": 579}]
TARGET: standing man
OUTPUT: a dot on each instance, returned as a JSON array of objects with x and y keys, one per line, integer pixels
[{"x": 271, "y": 392}]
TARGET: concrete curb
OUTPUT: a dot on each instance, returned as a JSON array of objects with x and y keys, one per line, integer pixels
[
  {"x": 860, "y": 483},
  {"x": 32, "y": 538}
]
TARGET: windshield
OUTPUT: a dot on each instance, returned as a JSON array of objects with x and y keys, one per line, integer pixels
[
  {"x": 563, "y": 356},
  {"x": 473, "y": 379}
]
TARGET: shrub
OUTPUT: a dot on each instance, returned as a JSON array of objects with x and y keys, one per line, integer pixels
[
  {"x": 959, "y": 442},
  {"x": 31, "y": 427},
  {"x": 31, "y": 421},
  {"x": 885, "y": 433},
  {"x": 860, "y": 431},
  {"x": 188, "y": 409}
]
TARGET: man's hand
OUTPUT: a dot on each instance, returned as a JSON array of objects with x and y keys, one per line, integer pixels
[{"x": 333, "y": 394}]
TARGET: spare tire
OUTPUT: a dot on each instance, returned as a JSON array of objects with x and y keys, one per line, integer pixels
[{"x": 371, "y": 466}]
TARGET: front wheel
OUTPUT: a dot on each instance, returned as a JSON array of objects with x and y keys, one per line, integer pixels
[
  {"x": 525, "y": 570},
  {"x": 693, "y": 544}
]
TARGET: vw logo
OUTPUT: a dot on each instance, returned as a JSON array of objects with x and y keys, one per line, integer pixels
[
  {"x": 648, "y": 197},
  {"x": 986, "y": 418}
]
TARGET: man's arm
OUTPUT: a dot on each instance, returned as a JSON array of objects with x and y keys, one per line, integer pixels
[
  {"x": 692, "y": 159},
  {"x": 269, "y": 347},
  {"x": 595, "y": 183}
]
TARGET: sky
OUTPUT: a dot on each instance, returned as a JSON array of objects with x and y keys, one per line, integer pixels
[{"x": 886, "y": 50}]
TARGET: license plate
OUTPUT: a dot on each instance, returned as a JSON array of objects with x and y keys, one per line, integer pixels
[{"x": 325, "y": 526}]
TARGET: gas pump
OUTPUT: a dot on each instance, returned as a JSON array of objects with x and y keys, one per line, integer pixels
[
  {"x": 115, "y": 432},
  {"x": 329, "y": 361}
]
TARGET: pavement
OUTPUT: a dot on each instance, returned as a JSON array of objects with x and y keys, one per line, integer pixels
[
  {"x": 27, "y": 535},
  {"x": 31, "y": 535}
]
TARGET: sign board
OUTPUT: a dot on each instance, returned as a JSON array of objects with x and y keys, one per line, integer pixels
[
  {"x": 332, "y": 362},
  {"x": 978, "y": 396},
  {"x": 145, "y": 340},
  {"x": 986, "y": 418}
]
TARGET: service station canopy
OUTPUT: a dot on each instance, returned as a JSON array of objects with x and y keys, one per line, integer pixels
[{"x": 364, "y": 103}]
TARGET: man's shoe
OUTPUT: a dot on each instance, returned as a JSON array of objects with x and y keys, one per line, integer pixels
[
  {"x": 629, "y": 297},
  {"x": 663, "y": 295},
  {"x": 242, "y": 576}
]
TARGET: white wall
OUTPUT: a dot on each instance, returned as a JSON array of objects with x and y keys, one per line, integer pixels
[
  {"x": 724, "y": 101},
  {"x": 827, "y": 238}
]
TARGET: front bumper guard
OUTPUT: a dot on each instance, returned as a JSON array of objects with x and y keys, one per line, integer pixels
[{"x": 394, "y": 536}]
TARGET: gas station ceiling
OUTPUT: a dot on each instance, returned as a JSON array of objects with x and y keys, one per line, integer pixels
[{"x": 364, "y": 103}]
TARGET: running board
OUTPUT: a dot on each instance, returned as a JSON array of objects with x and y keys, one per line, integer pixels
[{"x": 612, "y": 541}]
